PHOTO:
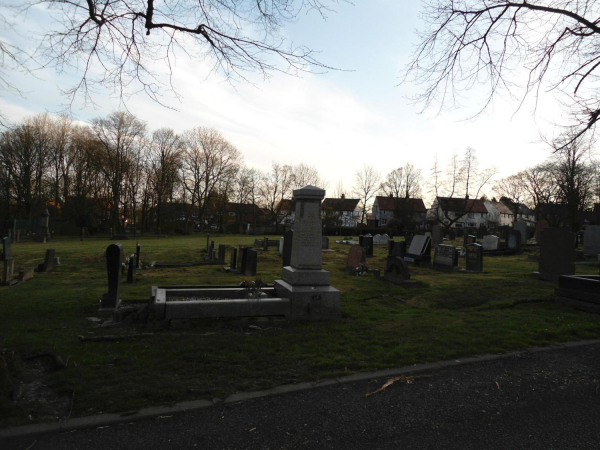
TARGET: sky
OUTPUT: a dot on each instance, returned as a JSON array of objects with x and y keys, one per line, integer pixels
[{"x": 337, "y": 121}]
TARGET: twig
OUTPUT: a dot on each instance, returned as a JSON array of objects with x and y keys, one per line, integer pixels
[
  {"x": 113, "y": 337},
  {"x": 393, "y": 380},
  {"x": 31, "y": 445},
  {"x": 72, "y": 403}
]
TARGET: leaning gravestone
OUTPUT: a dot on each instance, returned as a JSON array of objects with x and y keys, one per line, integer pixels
[
  {"x": 288, "y": 239},
  {"x": 491, "y": 242},
  {"x": 436, "y": 236},
  {"x": 49, "y": 261},
  {"x": 111, "y": 298},
  {"x": 539, "y": 227},
  {"x": 591, "y": 240},
  {"x": 557, "y": 254},
  {"x": 521, "y": 227},
  {"x": 419, "y": 250},
  {"x": 357, "y": 256},
  {"x": 304, "y": 281},
  {"x": 251, "y": 262},
  {"x": 445, "y": 258},
  {"x": 396, "y": 270},
  {"x": 474, "y": 258}
]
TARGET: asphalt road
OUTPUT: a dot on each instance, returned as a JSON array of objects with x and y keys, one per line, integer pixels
[{"x": 542, "y": 400}]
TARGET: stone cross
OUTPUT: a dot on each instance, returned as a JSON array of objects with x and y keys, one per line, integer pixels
[{"x": 110, "y": 299}]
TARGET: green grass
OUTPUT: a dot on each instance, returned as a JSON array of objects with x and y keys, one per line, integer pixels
[{"x": 383, "y": 325}]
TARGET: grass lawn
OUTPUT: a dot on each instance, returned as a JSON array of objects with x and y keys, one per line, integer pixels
[{"x": 446, "y": 316}]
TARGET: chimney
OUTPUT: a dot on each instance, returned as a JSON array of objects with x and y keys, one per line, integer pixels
[{"x": 343, "y": 196}]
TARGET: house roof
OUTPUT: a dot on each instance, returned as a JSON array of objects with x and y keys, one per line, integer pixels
[
  {"x": 241, "y": 208},
  {"x": 525, "y": 210},
  {"x": 459, "y": 205},
  {"x": 284, "y": 205},
  {"x": 340, "y": 204},
  {"x": 390, "y": 203},
  {"x": 502, "y": 208}
]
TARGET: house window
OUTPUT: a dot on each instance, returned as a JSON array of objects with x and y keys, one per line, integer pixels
[
  {"x": 470, "y": 215},
  {"x": 383, "y": 221}
]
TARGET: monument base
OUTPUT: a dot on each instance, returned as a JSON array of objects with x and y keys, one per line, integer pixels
[
  {"x": 108, "y": 307},
  {"x": 306, "y": 277},
  {"x": 310, "y": 302}
]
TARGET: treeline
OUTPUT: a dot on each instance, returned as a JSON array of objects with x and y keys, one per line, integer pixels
[{"x": 115, "y": 172}]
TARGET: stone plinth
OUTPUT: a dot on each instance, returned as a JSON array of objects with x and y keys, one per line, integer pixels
[{"x": 304, "y": 282}]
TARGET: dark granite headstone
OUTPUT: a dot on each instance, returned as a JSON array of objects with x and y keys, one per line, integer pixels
[
  {"x": 445, "y": 258},
  {"x": 539, "y": 227},
  {"x": 138, "y": 249},
  {"x": 211, "y": 251},
  {"x": 265, "y": 244},
  {"x": 6, "y": 248},
  {"x": 324, "y": 243},
  {"x": 131, "y": 270},
  {"x": 222, "y": 251},
  {"x": 288, "y": 238},
  {"x": 557, "y": 255},
  {"x": 474, "y": 258},
  {"x": 357, "y": 256},
  {"x": 243, "y": 259},
  {"x": 436, "y": 236},
  {"x": 251, "y": 262},
  {"x": 233, "y": 263},
  {"x": 111, "y": 298},
  {"x": 367, "y": 243},
  {"x": 396, "y": 270}
]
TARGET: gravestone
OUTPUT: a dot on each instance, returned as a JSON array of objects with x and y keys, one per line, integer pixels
[
  {"x": 521, "y": 227},
  {"x": 280, "y": 250},
  {"x": 557, "y": 254},
  {"x": 474, "y": 258},
  {"x": 265, "y": 243},
  {"x": 391, "y": 243},
  {"x": 367, "y": 243},
  {"x": 25, "y": 274},
  {"x": 233, "y": 260},
  {"x": 514, "y": 241},
  {"x": 251, "y": 262},
  {"x": 398, "y": 249},
  {"x": 591, "y": 240},
  {"x": 43, "y": 227},
  {"x": 49, "y": 261},
  {"x": 357, "y": 256},
  {"x": 469, "y": 239},
  {"x": 138, "y": 249},
  {"x": 539, "y": 227},
  {"x": 6, "y": 248},
  {"x": 396, "y": 270},
  {"x": 7, "y": 273},
  {"x": 452, "y": 234},
  {"x": 243, "y": 259},
  {"x": 211, "y": 251},
  {"x": 419, "y": 250},
  {"x": 111, "y": 298},
  {"x": 324, "y": 243},
  {"x": 436, "y": 236},
  {"x": 445, "y": 258},
  {"x": 288, "y": 239},
  {"x": 304, "y": 281},
  {"x": 222, "y": 251},
  {"x": 131, "y": 269},
  {"x": 491, "y": 242},
  {"x": 381, "y": 239}
]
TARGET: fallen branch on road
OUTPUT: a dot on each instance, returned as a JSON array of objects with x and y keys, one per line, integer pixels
[{"x": 393, "y": 380}]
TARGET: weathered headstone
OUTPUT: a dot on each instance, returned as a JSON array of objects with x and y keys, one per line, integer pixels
[
  {"x": 514, "y": 241},
  {"x": 357, "y": 256},
  {"x": 25, "y": 274},
  {"x": 381, "y": 239},
  {"x": 591, "y": 240},
  {"x": 288, "y": 239},
  {"x": 233, "y": 263},
  {"x": 539, "y": 227},
  {"x": 48, "y": 263},
  {"x": 304, "y": 281},
  {"x": 521, "y": 227},
  {"x": 491, "y": 242},
  {"x": 436, "y": 236},
  {"x": 557, "y": 253},
  {"x": 6, "y": 248},
  {"x": 251, "y": 262},
  {"x": 222, "y": 251},
  {"x": 7, "y": 273},
  {"x": 280, "y": 250},
  {"x": 445, "y": 258},
  {"x": 324, "y": 243},
  {"x": 131, "y": 269},
  {"x": 396, "y": 270},
  {"x": 474, "y": 258},
  {"x": 138, "y": 249},
  {"x": 111, "y": 298}
]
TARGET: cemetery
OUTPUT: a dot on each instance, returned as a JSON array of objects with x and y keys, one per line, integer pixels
[{"x": 275, "y": 317}]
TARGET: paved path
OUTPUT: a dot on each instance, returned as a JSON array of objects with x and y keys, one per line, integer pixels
[{"x": 540, "y": 400}]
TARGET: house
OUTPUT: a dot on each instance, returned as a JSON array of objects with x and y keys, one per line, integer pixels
[
  {"x": 388, "y": 211},
  {"x": 244, "y": 213},
  {"x": 526, "y": 214},
  {"x": 498, "y": 213},
  {"x": 459, "y": 212},
  {"x": 340, "y": 212}
]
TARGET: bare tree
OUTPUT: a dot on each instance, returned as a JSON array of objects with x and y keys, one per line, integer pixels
[
  {"x": 275, "y": 188},
  {"x": 471, "y": 42},
  {"x": 403, "y": 182},
  {"x": 366, "y": 183},
  {"x": 118, "y": 43},
  {"x": 513, "y": 189},
  {"x": 539, "y": 183}
]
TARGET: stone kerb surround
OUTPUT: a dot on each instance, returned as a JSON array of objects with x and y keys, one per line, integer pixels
[{"x": 304, "y": 281}]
